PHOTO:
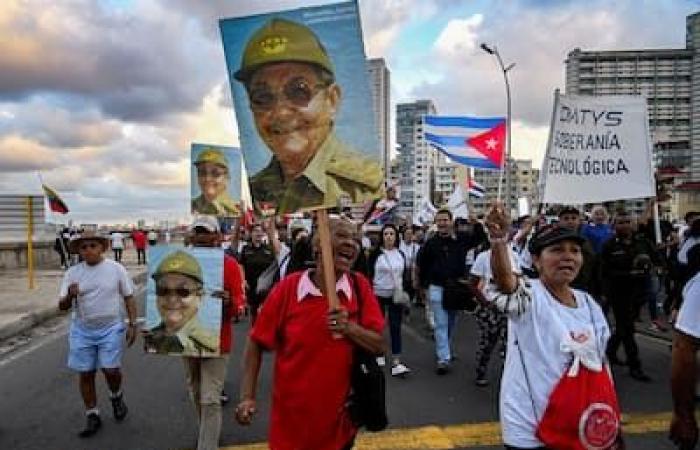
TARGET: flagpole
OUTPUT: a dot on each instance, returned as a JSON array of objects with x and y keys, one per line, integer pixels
[
  {"x": 506, "y": 164},
  {"x": 30, "y": 247},
  {"x": 545, "y": 162}
]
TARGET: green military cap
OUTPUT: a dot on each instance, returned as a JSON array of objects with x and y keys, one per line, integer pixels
[
  {"x": 182, "y": 263},
  {"x": 211, "y": 155},
  {"x": 281, "y": 40}
]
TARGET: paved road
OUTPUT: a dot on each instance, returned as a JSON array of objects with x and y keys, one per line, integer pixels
[{"x": 41, "y": 409}]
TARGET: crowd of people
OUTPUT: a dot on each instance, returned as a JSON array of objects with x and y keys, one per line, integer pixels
[
  {"x": 140, "y": 240},
  {"x": 549, "y": 291}
]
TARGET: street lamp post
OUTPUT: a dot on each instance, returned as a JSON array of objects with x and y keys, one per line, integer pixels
[{"x": 506, "y": 166}]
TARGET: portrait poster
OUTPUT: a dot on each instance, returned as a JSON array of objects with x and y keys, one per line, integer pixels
[
  {"x": 183, "y": 300},
  {"x": 302, "y": 99},
  {"x": 215, "y": 174}
]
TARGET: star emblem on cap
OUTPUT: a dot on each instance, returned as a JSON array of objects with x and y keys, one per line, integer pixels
[{"x": 274, "y": 44}]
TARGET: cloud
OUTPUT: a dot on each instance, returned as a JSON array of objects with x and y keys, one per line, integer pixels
[
  {"x": 135, "y": 65},
  {"x": 459, "y": 37},
  {"x": 18, "y": 154},
  {"x": 57, "y": 126}
]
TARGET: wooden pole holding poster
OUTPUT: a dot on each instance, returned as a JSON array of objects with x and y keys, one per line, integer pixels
[
  {"x": 327, "y": 267},
  {"x": 30, "y": 248}
]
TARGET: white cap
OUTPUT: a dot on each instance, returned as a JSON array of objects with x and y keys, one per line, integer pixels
[{"x": 210, "y": 223}]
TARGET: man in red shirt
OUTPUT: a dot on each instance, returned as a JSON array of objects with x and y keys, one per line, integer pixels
[
  {"x": 205, "y": 376},
  {"x": 313, "y": 350},
  {"x": 139, "y": 238}
]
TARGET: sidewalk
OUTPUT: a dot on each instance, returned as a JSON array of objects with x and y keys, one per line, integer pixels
[{"x": 22, "y": 309}]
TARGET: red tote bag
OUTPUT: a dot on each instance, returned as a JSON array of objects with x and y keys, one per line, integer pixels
[{"x": 582, "y": 413}]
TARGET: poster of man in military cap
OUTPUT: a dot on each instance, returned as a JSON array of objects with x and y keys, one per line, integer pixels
[
  {"x": 303, "y": 107},
  {"x": 183, "y": 307},
  {"x": 216, "y": 180}
]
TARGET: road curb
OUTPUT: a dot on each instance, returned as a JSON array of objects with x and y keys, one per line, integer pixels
[{"x": 32, "y": 319}]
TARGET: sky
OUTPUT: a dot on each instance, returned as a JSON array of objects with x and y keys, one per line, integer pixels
[{"x": 103, "y": 98}]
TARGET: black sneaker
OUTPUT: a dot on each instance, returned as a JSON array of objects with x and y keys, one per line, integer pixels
[
  {"x": 639, "y": 375},
  {"x": 92, "y": 425},
  {"x": 119, "y": 408},
  {"x": 442, "y": 368}
]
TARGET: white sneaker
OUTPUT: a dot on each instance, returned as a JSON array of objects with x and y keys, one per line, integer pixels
[
  {"x": 399, "y": 370},
  {"x": 381, "y": 361}
]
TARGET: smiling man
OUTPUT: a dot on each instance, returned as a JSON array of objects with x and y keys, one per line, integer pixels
[
  {"x": 95, "y": 290},
  {"x": 179, "y": 294},
  {"x": 295, "y": 99},
  {"x": 213, "y": 177}
]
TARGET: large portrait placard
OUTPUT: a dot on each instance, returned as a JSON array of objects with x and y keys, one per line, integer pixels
[
  {"x": 303, "y": 106},
  {"x": 215, "y": 173},
  {"x": 183, "y": 303}
]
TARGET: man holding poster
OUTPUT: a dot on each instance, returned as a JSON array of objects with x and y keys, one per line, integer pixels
[{"x": 294, "y": 97}]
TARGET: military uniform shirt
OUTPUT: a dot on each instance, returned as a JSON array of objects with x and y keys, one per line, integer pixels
[
  {"x": 222, "y": 206},
  {"x": 335, "y": 170}
]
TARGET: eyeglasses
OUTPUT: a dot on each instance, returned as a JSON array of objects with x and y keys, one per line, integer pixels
[
  {"x": 297, "y": 91},
  {"x": 88, "y": 245},
  {"x": 182, "y": 292},
  {"x": 211, "y": 173}
]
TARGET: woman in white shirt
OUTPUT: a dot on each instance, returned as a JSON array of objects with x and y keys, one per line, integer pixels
[
  {"x": 544, "y": 316},
  {"x": 387, "y": 265}
]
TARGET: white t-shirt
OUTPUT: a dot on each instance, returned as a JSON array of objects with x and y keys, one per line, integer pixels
[
  {"x": 688, "y": 320},
  {"x": 101, "y": 292},
  {"x": 387, "y": 271},
  {"x": 539, "y": 333},
  {"x": 482, "y": 265},
  {"x": 410, "y": 251},
  {"x": 117, "y": 241},
  {"x": 152, "y": 236}
]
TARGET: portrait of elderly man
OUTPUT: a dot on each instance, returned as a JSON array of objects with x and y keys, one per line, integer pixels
[
  {"x": 213, "y": 178},
  {"x": 294, "y": 98},
  {"x": 179, "y": 294}
]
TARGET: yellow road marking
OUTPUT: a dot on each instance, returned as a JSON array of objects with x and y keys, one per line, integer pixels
[{"x": 467, "y": 434}]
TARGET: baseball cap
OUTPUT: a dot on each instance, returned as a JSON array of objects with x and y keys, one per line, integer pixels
[
  {"x": 209, "y": 223},
  {"x": 550, "y": 235}
]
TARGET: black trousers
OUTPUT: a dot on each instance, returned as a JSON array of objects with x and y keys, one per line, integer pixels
[
  {"x": 624, "y": 310},
  {"x": 141, "y": 256}
]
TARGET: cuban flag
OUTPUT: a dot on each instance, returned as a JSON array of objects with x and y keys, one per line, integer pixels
[
  {"x": 475, "y": 189},
  {"x": 472, "y": 141}
]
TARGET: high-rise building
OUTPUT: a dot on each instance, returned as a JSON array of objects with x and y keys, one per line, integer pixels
[
  {"x": 523, "y": 184},
  {"x": 416, "y": 160},
  {"x": 380, "y": 86},
  {"x": 670, "y": 80}
]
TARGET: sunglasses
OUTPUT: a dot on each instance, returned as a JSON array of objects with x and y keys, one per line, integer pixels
[
  {"x": 181, "y": 292},
  {"x": 89, "y": 245},
  {"x": 212, "y": 173},
  {"x": 297, "y": 91}
]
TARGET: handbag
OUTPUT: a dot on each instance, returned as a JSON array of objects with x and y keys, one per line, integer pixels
[
  {"x": 367, "y": 400},
  {"x": 457, "y": 295}
]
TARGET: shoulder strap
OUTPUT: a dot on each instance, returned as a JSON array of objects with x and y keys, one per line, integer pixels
[
  {"x": 356, "y": 292},
  {"x": 527, "y": 378}
]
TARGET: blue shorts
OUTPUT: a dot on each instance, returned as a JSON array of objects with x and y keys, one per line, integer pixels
[{"x": 101, "y": 348}]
